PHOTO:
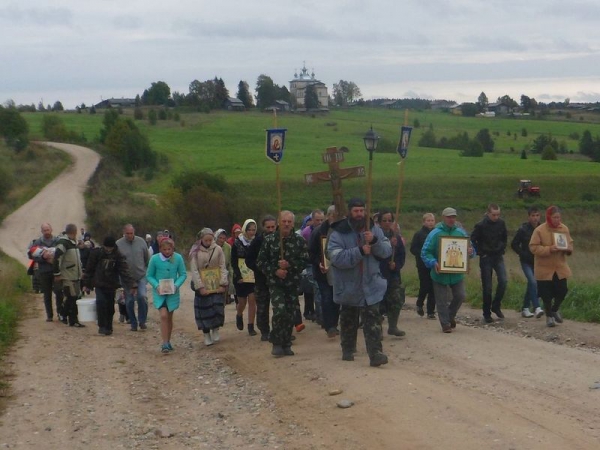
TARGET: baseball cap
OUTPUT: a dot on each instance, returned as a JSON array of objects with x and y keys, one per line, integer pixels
[
  {"x": 355, "y": 202},
  {"x": 448, "y": 212}
]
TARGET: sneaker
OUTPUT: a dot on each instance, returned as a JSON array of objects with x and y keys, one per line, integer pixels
[
  {"x": 103, "y": 331},
  {"x": 239, "y": 322},
  {"x": 332, "y": 332},
  {"x": 396, "y": 332},
  {"x": 300, "y": 327},
  {"x": 550, "y": 321},
  {"x": 277, "y": 351},
  {"x": 420, "y": 311},
  {"x": 122, "y": 318},
  {"x": 170, "y": 346},
  {"x": 452, "y": 323},
  {"x": 207, "y": 340},
  {"x": 526, "y": 313},
  {"x": 431, "y": 316},
  {"x": 133, "y": 327},
  {"x": 287, "y": 351},
  {"x": 557, "y": 317},
  {"x": 488, "y": 319},
  {"x": 347, "y": 356},
  {"x": 498, "y": 314},
  {"x": 165, "y": 348},
  {"x": 447, "y": 328},
  {"x": 539, "y": 312},
  {"x": 214, "y": 334},
  {"x": 143, "y": 326},
  {"x": 378, "y": 359},
  {"x": 77, "y": 325},
  {"x": 264, "y": 337}
]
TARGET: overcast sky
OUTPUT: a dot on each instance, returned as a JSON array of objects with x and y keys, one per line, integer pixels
[{"x": 81, "y": 51}]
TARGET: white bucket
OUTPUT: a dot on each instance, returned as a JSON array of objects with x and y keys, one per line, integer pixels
[{"x": 86, "y": 310}]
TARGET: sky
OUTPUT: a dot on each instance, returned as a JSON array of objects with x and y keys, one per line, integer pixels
[{"x": 82, "y": 51}]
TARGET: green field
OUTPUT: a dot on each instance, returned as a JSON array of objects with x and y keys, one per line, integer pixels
[{"x": 232, "y": 145}]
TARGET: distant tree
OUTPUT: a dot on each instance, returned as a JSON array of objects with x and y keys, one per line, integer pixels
[
  {"x": 345, "y": 92},
  {"x": 428, "y": 139},
  {"x": 125, "y": 143},
  {"x": 524, "y": 132},
  {"x": 162, "y": 114},
  {"x": 482, "y": 102},
  {"x": 586, "y": 144},
  {"x": 152, "y": 117},
  {"x": 474, "y": 149},
  {"x": 282, "y": 93},
  {"x": 138, "y": 101},
  {"x": 111, "y": 117},
  {"x": 539, "y": 143},
  {"x": 311, "y": 99},
  {"x": 485, "y": 139},
  {"x": 507, "y": 100},
  {"x": 138, "y": 113},
  {"x": 469, "y": 109},
  {"x": 221, "y": 93},
  {"x": 57, "y": 106},
  {"x": 549, "y": 153},
  {"x": 243, "y": 94},
  {"x": 14, "y": 128},
  {"x": 416, "y": 123},
  {"x": 157, "y": 94},
  {"x": 266, "y": 93},
  {"x": 41, "y": 107},
  {"x": 523, "y": 154},
  {"x": 93, "y": 110}
]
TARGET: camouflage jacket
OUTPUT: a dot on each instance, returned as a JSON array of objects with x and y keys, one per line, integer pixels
[{"x": 294, "y": 252}]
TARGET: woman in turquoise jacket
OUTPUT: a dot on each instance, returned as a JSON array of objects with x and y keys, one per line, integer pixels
[{"x": 166, "y": 274}]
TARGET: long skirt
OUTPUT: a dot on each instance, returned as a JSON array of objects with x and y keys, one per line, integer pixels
[{"x": 209, "y": 311}]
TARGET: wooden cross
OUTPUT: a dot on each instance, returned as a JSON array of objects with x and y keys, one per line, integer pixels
[{"x": 333, "y": 157}]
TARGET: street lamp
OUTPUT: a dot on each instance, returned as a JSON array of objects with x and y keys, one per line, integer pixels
[{"x": 371, "y": 140}]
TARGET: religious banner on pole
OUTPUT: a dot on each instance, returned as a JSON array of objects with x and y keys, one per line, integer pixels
[
  {"x": 404, "y": 141},
  {"x": 275, "y": 144}
]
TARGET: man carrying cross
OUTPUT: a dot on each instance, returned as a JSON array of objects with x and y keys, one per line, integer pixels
[{"x": 354, "y": 250}]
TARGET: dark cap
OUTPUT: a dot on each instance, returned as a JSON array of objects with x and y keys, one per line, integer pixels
[
  {"x": 355, "y": 201},
  {"x": 109, "y": 241}
]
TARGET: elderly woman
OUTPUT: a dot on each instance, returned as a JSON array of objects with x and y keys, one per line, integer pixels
[
  {"x": 550, "y": 244},
  {"x": 209, "y": 274},
  {"x": 221, "y": 240},
  {"x": 244, "y": 286},
  {"x": 166, "y": 273}
]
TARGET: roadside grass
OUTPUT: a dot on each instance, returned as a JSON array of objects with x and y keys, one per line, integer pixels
[
  {"x": 15, "y": 284},
  {"x": 24, "y": 174}
]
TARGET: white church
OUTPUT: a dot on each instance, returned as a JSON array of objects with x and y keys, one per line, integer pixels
[{"x": 298, "y": 88}]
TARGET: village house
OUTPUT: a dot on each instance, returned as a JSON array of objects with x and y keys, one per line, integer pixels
[
  {"x": 116, "y": 103},
  {"x": 234, "y": 104}
]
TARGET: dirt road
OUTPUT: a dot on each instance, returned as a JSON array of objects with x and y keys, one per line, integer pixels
[{"x": 512, "y": 385}]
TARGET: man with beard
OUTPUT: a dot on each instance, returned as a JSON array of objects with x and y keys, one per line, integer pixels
[
  {"x": 261, "y": 288},
  {"x": 282, "y": 260},
  {"x": 354, "y": 251}
]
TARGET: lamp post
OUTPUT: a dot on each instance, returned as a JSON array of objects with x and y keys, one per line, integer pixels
[{"x": 371, "y": 140}]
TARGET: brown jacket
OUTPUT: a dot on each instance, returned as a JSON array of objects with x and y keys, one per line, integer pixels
[
  {"x": 208, "y": 258},
  {"x": 547, "y": 263}
]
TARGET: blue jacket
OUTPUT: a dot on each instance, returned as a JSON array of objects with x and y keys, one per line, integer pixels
[
  {"x": 357, "y": 280},
  {"x": 429, "y": 253},
  {"x": 158, "y": 270}
]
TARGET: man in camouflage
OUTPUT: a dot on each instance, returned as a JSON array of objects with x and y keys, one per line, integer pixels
[
  {"x": 283, "y": 278},
  {"x": 354, "y": 251}
]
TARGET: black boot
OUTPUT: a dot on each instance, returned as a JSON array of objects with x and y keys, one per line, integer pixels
[{"x": 251, "y": 331}]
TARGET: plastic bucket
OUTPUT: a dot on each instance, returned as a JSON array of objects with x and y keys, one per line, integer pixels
[{"x": 86, "y": 310}]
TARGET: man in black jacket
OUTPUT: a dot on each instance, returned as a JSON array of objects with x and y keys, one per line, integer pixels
[
  {"x": 106, "y": 271},
  {"x": 520, "y": 244},
  {"x": 489, "y": 238},
  {"x": 261, "y": 289},
  {"x": 425, "y": 282}
]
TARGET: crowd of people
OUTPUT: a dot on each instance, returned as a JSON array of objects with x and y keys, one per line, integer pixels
[{"x": 347, "y": 269}]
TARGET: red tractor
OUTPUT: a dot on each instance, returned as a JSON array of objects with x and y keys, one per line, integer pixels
[{"x": 526, "y": 189}]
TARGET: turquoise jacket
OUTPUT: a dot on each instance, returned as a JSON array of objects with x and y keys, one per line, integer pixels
[
  {"x": 430, "y": 250},
  {"x": 158, "y": 269}
]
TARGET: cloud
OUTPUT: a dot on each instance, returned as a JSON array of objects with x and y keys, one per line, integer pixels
[
  {"x": 126, "y": 22},
  {"x": 46, "y": 16}
]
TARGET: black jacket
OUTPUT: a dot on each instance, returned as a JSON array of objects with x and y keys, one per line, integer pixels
[
  {"x": 490, "y": 238},
  {"x": 315, "y": 251},
  {"x": 520, "y": 243},
  {"x": 417, "y": 245},
  {"x": 107, "y": 270},
  {"x": 399, "y": 258},
  {"x": 252, "y": 255}
]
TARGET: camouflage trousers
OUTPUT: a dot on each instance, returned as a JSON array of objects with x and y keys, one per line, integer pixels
[
  {"x": 285, "y": 304},
  {"x": 349, "y": 319},
  {"x": 394, "y": 299},
  {"x": 263, "y": 306}
]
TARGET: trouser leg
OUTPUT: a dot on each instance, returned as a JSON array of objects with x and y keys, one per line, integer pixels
[
  {"x": 349, "y": 316},
  {"x": 458, "y": 297},
  {"x": 263, "y": 304},
  {"x": 372, "y": 329},
  {"x": 284, "y": 311},
  {"x": 485, "y": 265},
  {"x": 394, "y": 299},
  {"x": 442, "y": 295},
  {"x": 46, "y": 280},
  {"x": 500, "y": 270}
]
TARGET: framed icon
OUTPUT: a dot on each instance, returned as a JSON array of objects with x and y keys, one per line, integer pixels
[
  {"x": 560, "y": 240},
  {"x": 166, "y": 286},
  {"x": 211, "y": 279},
  {"x": 247, "y": 273},
  {"x": 453, "y": 254},
  {"x": 324, "y": 259}
]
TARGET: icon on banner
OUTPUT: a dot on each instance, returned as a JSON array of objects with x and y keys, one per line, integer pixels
[
  {"x": 275, "y": 144},
  {"x": 404, "y": 140}
]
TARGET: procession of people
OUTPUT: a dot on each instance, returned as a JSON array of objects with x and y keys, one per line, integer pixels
[{"x": 354, "y": 263}]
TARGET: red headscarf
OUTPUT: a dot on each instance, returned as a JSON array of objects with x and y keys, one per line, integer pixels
[{"x": 549, "y": 212}]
